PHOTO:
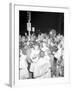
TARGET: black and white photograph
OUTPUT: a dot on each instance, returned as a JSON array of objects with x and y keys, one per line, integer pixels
[{"x": 41, "y": 44}]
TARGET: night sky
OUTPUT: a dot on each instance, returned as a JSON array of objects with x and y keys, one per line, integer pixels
[{"x": 43, "y": 21}]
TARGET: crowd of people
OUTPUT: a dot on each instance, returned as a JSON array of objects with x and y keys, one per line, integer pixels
[{"x": 41, "y": 56}]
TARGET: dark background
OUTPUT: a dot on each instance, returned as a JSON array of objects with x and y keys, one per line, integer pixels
[{"x": 42, "y": 21}]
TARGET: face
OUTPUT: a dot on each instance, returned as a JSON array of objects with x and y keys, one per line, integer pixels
[
  {"x": 24, "y": 51},
  {"x": 42, "y": 54},
  {"x": 28, "y": 52},
  {"x": 52, "y": 33}
]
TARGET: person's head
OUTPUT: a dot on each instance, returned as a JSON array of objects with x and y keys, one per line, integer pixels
[
  {"x": 52, "y": 33},
  {"x": 36, "y": 47},
  {"x": 23, "y": 51},
  {"x": 28, "y": 52},
  {"x": 42, "y": 54}
]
